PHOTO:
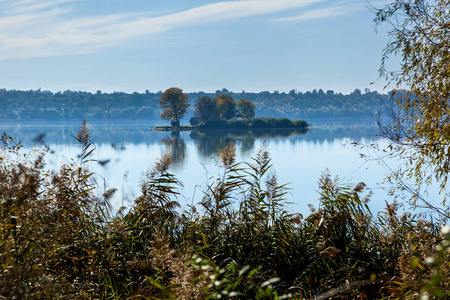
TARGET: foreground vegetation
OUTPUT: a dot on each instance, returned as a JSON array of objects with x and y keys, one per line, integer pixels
[{"x": 60, "y": 238}]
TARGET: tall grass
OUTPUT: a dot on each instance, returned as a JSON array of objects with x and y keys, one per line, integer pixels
[{"x": 59, "y": 237}]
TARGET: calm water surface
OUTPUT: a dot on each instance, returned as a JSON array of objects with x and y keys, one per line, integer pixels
[{"x": 299, "y": 158}]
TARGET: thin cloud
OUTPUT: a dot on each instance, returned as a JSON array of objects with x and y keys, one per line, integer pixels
[
  {"x": 323, "y": 13},
  {"x": 28, "y": 21},
  {"x": 36, "y": 28},
  {"x": 30, "y": 6}
]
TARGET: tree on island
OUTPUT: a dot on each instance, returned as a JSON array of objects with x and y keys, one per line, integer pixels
[
  {"x": 175, "y": 104},
  {"x": 245, "y": 109},
  {"x": 226, "y": 106},
  {"x": 206, "y": 108}
]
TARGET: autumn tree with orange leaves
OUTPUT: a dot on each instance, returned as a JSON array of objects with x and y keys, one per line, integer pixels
[{"x": 175, "y": 104}]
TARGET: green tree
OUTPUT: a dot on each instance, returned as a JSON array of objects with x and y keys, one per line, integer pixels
[
  {"x": 206, "y": 108},
  {"x": 226, "y": 106},
  {"x": 245, "y": 109},
  {"x": 175, "y": 104},
  {"x": 420, "y": 130}
]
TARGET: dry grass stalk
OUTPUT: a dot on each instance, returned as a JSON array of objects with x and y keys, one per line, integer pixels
[
  {"x": 183, "y": 276},
  {"x": 228, "y": 155}
]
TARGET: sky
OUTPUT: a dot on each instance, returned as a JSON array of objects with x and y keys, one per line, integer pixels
[{"x": 196, "y": 45}]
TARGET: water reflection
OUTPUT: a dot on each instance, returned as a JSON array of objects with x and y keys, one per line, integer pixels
[
  {"x": 118, "y": 134},
  {"x": 211, "y": 142},
  {"x": 176, "y": 146},
  {"x": 131, "y": 147}
]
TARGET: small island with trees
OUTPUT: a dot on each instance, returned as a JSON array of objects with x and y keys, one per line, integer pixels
[{"x": 220, "y": 112}]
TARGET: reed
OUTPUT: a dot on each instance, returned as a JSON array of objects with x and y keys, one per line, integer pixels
[{"x": 59, "y": 237}]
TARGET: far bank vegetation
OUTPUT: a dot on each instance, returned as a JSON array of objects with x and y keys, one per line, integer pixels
[{"x": 79, "y": 105}]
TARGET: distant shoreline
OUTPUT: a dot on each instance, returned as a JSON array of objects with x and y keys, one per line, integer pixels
[{"x": 73, "y": 105}]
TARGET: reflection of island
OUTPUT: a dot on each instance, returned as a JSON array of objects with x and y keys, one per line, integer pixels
[
  {"x": 211, "y": 142},
  {"x": 176, "y": 146}
]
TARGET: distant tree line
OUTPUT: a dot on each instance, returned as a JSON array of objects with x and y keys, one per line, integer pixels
[{"x": 37, "y": 104}]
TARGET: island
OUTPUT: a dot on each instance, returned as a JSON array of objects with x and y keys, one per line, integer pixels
[
  {"x": 221, "y": 112},
  {"x": 250, "y": 123}
]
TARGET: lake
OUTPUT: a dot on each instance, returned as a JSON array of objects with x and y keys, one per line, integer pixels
[{"x": 130, "y": 148}]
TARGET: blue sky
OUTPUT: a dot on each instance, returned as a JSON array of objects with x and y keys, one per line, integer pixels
[{"x": 197, "y": 45}]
